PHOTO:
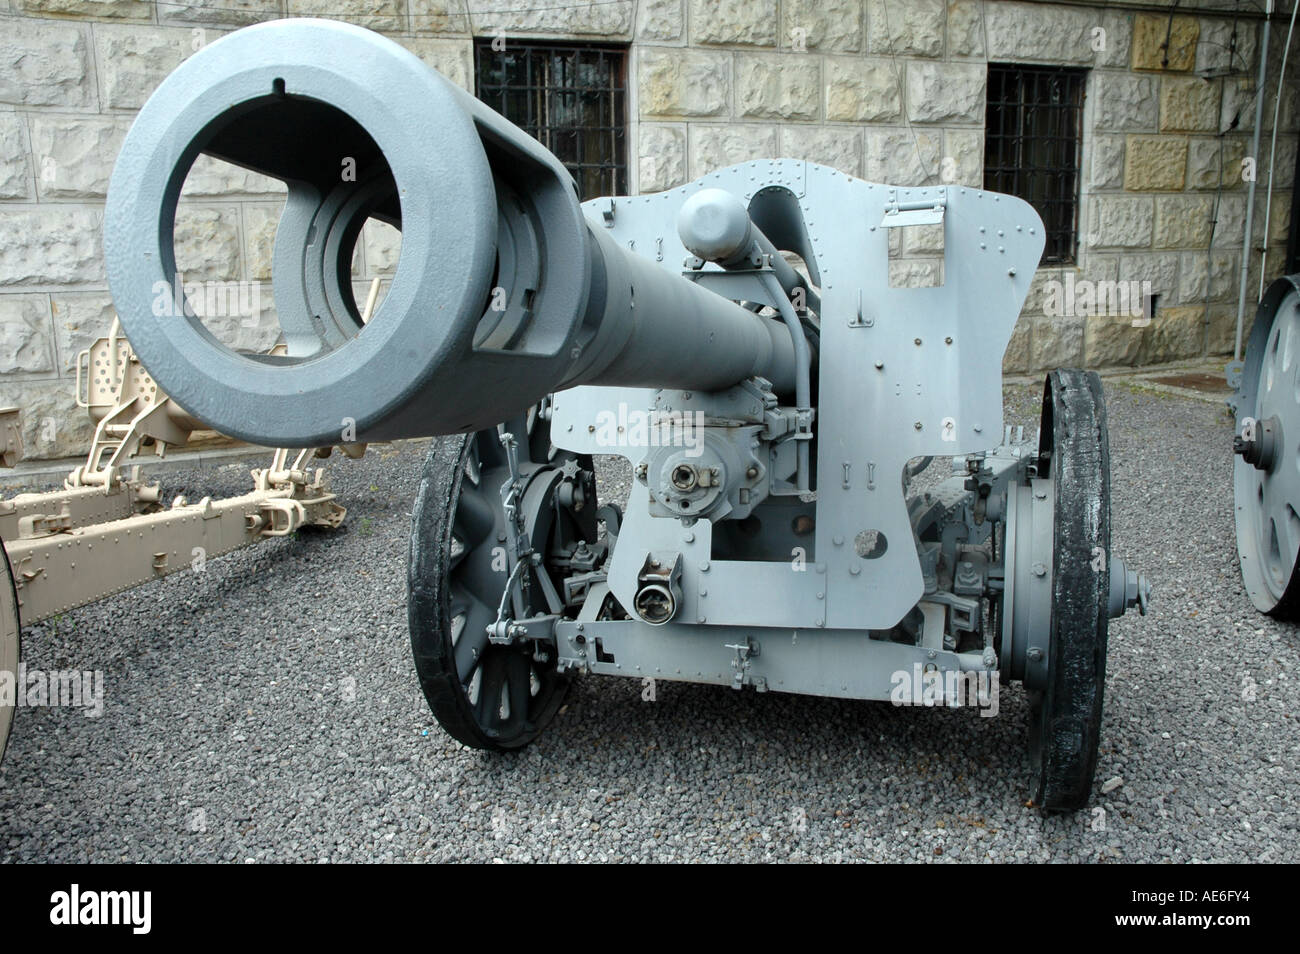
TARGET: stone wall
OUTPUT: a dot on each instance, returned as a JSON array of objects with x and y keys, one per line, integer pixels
[{"x": 890, "y": 90}]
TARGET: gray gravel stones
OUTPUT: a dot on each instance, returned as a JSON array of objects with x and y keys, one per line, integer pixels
[{"x": 266, "y": 709}]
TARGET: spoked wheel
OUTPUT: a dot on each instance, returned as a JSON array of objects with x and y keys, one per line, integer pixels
[
  {"x": 1065, "y": 715},
  {"x": 485, "y": 694},
  {"x": 10, "y": 630},
  {"x": 1266, "y": 473}
]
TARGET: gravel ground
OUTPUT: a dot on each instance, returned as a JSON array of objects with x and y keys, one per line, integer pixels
[{"x": 232, "y": 732}]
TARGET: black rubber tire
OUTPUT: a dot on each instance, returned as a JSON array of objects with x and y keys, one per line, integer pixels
[
  {"x": 11, "y": 624},
  {"x": 1288, "y": 607},
  {"x": 1065, "y": 718},
  {"x": 430, "y": 619}
]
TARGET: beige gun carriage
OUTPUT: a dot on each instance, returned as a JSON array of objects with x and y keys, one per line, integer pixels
[{"x": 108, "y": 530}]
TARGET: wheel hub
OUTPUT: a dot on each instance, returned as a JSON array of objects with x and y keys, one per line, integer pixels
[{"x": 1258, "y": 445}]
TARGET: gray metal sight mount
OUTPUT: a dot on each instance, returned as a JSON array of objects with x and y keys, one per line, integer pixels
[{"x": 774, "y": 417}]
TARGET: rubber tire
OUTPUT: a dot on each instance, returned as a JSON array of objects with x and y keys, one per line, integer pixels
[
  {"x": 1065, "y": 718},
  {"x": 9, "y": 627},
  {"x": 429, "y": 606}
]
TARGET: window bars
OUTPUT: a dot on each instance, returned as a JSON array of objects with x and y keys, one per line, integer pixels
[
  {"x": 1032, "y": 146},
  {"x": 571, "y": 98}
]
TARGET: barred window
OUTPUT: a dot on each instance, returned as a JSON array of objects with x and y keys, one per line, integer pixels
[
  {"x": 1032, "y": 146},
  {"x": 571, "y": 98}
]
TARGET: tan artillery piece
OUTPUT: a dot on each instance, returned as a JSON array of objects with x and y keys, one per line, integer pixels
[{"x": 107, "y": 530}]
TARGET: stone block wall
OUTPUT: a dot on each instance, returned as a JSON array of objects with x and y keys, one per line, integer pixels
[{"x": 889, "y": 90}]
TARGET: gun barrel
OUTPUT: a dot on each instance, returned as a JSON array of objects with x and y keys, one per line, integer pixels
[{"x": 504, "y": 290}]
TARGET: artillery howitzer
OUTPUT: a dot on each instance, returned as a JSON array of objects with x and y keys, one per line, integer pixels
[
  {"x": 772, "y": 418},
  {"x": 1266, "y": 473},
  {"x": 108, "y": 530}
]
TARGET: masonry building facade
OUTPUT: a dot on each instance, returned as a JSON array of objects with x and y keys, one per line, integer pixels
[{"x": 1129, "y": 126}]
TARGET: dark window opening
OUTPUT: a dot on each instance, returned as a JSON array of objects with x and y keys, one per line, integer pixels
[
  {"x": 572, "y": 99},
  {"x": 1149, "y": 305},
  {"x": 1032, "y": 145}
]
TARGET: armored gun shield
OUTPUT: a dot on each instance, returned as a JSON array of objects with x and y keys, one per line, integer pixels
[{"x": 773, "y": 416}]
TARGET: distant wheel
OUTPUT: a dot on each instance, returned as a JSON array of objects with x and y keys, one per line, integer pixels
[
  {"x": 484, "y": 694},
  {"x": 1065, "y": 715},
  {"x": 10, "y": 637},
  {"x": 1266, "y": 472}
]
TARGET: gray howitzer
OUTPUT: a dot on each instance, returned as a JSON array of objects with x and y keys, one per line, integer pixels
[
  {"x": 1266, "y": 481},
  {"x": 773, "y": 417}
]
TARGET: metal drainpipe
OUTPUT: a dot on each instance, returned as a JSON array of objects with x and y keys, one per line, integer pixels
[{"x": 1250, "y": 200}]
